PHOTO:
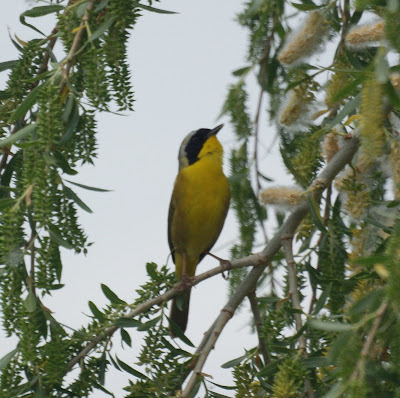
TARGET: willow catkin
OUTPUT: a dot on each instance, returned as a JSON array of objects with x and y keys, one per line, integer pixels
[
  {"x": 330, "y": 146},
  {"x": 394, "y": 158},
  {"x": 282, "y": 196},
  {"x": 363, "y": 36},
  {"x": 305, "y": 40},
  {"x": 371, "y": 123}
]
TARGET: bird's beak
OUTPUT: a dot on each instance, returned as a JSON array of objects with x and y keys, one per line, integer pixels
[{"x": 215, "y": 130}]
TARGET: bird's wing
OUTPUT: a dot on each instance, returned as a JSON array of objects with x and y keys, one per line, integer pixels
[{"x": 170, "y": 218}]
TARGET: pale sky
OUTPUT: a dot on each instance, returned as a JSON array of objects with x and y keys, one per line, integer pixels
[{"x": 181, "y": 68}]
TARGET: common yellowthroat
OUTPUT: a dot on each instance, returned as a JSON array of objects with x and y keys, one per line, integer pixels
[{"x": 199, "y": 203}]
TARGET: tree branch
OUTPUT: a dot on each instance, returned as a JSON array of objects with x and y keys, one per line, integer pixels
[
  {"x": 343, "y": 157},
  {"x": 257, "y": 323},
  {"x": 370, "y": 339}
]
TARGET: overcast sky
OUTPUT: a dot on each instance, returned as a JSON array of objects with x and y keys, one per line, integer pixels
[{"x": 181, "y": 67}]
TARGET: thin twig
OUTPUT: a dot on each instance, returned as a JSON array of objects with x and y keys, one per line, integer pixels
[
  {"x": 287, "y": 245},
  {"x": 68, "y": 61},
  {"x": 257, "y": 323},
  {"x": 370, "y": 339},
  {"x": 343, "y": 156},
  {"x": 321, "y": 236}
]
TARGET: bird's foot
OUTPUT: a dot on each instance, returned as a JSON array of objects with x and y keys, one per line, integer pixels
[
  {"x": 186, "y": 282},
  {"x": 225, "y": 264}
]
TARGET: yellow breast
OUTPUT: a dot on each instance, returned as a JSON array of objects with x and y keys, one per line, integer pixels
[{"x": 200, "y": 201}]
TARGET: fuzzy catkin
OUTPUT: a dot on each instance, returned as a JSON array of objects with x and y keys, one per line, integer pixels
[
  {"x": 395, "y": 166},
  {"x": 330, "y": 146},
  {"x": 305, "y": 41},
  {"x": 362, "y": 36},
  {"x": 283, "y": 196},
  {"x": 371, "y": 126}
]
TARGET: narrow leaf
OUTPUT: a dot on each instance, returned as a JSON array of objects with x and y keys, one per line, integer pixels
[
  {"x": 126, "y": 338},
  {"x": 69, "y": 193},
  {"x": 30, "y": 302},
  {"x": 88, "y": 187},
  {"x": 7, "y": 65},
  {"x": 101, "y": 30},
  {"x": 25, "y": 131},
  {"x": 7, "y": 358},
  {"x": 111, "y": 295},
  {"x": 330, "y": 326},
  {"x": 152, "y": 9},
  {"x": 130, "y": 370},
  {"x": 26, "y": 104},
  {"x": 56, "y": 237},
  {"x": 127, "y": 323},
  {"x": 178, "y": 332},
  {"x": 322, "y": 299},
  {"x": 96, "y": 312}
]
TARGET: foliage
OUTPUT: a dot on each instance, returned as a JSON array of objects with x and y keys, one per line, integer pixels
[{"x": 330, "y": 326}]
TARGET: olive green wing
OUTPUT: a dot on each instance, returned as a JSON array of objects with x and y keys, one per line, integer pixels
[{"x": 170, "y": 218}]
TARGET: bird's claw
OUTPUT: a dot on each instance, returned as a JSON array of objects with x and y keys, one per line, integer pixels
[{"x": 226, "y": 266}]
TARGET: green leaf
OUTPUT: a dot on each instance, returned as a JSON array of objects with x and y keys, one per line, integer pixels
[
  {"x": 148, "y": 325},
  {"x": 88, "y": 187},
  {"x": 69, "y": 193},
  {"x": 39, "y": 12},
  {"x": 372, "y": 260},
  {"x": 130, "y": 370},
  {"x": 56, "y": 237},
  {"x": 178, "y": 332},
  {"x": 7, "y": 358},
  {"x": 62, "y": 162},
  {"x": 42, "y": 10},
  {"x": 152, "y": 9},
  {"x": 242, "y": 71},
  {"x": 314, "y": 212},
  {"x": 6, "y": 203},
  {"x": 101, "y": 29},
  {"x": 7, "y": 65},
  {"x": 270, "y": 369},
  {"x": 151, "y": 270},
  {"x": 26, "y": 104},
  {"x": 307, "y": 7},
  {"x": 233, "y": 362},
  {"x": 111, "y": 295},
  {"x": 30, "y": 302},
  {"x": 322, "y": 299},
  {"x": 96, "y": 312},
  {"x": 127, "y": 323},
  {"x": 126, "y": 338},
  {"x": 346, "y": 110},
  {"x": 315, "y": 362},
  {"x": 25, "y": 131},
  {"x": 330, "y": 326}
]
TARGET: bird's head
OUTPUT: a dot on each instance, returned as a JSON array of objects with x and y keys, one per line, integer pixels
[{"x": 197, "y": 144}]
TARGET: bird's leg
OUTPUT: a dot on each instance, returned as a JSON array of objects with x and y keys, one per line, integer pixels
[
  {"x": 187, "y": 281},
  {"x": 225, "y": 264}
]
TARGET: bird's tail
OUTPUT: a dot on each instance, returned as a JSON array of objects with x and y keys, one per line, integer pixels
[{"x": 180, "y": 311}]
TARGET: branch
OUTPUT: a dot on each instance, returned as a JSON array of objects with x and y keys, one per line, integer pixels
[
  {"x": 370, "y": 339},
  {"x": 253, "y": 260},
  {"x": 287, "y": 242},
  {"x": 248, "y": 285},
  {"x": 75, "y": 45},
  {"x": 257, "y": 323}
]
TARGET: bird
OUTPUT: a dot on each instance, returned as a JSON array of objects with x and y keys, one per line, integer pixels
[{"x": 198, "y": 208}]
